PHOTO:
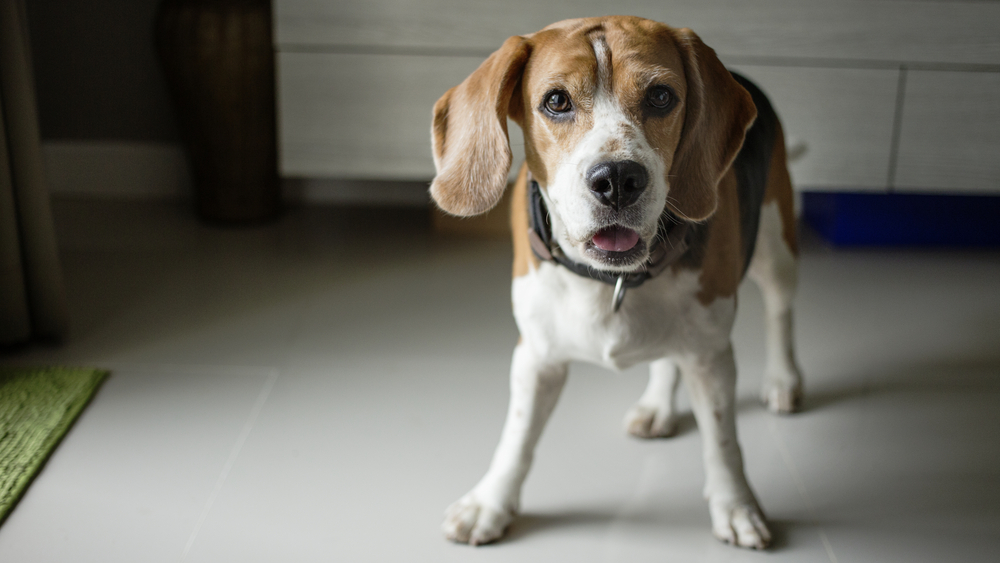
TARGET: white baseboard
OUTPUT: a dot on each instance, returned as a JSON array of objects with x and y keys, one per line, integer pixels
[
  {"x": 160, "y": 171},
  {"x": 123, "y": 170}
]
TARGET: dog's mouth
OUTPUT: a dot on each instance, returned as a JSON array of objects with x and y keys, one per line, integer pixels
[
  {"x": 615, "y": 239},
  {"x": 616, "y": 246}
]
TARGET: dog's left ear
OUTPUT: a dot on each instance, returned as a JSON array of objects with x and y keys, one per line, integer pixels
[
  {"x": 718, "y": 112},
  {"x": 471, "y": 147}
]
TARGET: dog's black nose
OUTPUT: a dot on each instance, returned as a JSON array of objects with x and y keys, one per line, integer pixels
[{"x": 617, "y": 184}]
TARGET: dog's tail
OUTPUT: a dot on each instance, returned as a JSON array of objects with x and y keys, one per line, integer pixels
[{"x": 795, "y": 148}]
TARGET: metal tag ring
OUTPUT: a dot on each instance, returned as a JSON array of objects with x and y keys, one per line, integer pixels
[{"x": 619, "y": 295}]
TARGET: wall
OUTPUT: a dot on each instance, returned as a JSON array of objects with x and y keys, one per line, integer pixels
[{"x": 852, "y": 79}]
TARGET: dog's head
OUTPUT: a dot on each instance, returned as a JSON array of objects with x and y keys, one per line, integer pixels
[{"x": 622, "y": 118}]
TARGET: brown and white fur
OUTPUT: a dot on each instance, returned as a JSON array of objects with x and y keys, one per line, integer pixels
[{"x": 679, "y": 321}]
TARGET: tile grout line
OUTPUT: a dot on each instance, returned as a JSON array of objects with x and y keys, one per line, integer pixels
[
  {"x": 786, "y": 457},
  {"x": 634, "y": 501},
  {"x": 265, "y": 392},
  {"x": 827, "y": 546}
]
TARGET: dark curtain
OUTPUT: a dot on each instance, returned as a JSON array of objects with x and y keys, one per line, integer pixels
[{"x": 32, "y": 296}]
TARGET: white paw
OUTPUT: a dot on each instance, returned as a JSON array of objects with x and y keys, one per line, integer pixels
[
  {"x": 741, "y": 524},
  {"x": 647, "y": 421},
  {"x": 472, "y": 522},
  {"x": 781, "y": 398}
]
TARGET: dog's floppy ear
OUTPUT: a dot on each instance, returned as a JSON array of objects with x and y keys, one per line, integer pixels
[
  {"x": 718, "y": 113},
  {"x": 471, "y": 148}
]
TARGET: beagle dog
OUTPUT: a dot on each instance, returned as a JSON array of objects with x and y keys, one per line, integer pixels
[{"x": 655, "y": 180}]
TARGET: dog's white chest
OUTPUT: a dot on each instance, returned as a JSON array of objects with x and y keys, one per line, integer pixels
[{"x": 568, "y": 317}]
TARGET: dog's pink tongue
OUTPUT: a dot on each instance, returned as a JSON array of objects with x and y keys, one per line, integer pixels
[{"x": 616, "y": 239}]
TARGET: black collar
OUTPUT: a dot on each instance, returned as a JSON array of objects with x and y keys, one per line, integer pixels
[{"x": 670, "y": 244}]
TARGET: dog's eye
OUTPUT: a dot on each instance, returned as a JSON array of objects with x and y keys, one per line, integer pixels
[
  {"x": 558, "y": 102},
  {"x": 660, "y": 97}
]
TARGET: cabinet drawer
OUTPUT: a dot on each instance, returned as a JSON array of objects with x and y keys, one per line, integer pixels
[
  {"x": 950, "y": 134},
  {"x": 368, "y": 116},
  {"x": 843, "y": 115},
  {"x": 364, "y": 116}
]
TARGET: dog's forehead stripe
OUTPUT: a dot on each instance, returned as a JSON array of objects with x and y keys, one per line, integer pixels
[{"x": 602, "y": 53}]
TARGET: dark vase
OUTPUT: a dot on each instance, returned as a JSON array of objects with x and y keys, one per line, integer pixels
[{"x": 219, "y": 62}]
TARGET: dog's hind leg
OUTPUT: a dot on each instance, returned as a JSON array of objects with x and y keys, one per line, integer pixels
[
  {"x": 655, "y": 414},
  {"x": 482, "y": 515},
  {"x": 773, "y": 269}
]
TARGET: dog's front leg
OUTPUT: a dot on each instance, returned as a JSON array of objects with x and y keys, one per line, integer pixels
[
  {"x": 736, "y": 515},
  {"x": 482, "y": 515}
]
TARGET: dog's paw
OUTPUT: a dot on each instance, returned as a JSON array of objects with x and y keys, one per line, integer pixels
[
  {"x": 647, "y": 421},
  {"x": 740, "y": 524},
  {"x": 782, "y": 399},
  {"x": 472, "y": 522}
]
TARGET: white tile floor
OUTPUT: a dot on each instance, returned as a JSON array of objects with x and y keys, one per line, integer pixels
[{"x": 320, "y": 389}]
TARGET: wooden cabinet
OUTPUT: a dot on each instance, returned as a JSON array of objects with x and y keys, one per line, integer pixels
[{"x": 886, "y": 94}]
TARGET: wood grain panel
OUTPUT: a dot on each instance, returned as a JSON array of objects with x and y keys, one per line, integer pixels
[
  {"x": 870, "y": 30},
  {"x": 844, "y": 116},
  {"x": 950, "y": 135},
  {"x": 364, "y": 116}
]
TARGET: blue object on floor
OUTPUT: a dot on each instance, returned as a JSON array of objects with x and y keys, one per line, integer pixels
[{"x": 897, "y": 219}]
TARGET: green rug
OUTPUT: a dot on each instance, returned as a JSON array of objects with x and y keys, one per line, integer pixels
[{"x": 37, "y": 408}]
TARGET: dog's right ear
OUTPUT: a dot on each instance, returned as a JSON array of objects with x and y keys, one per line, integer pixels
[{"x": 471, "y": 147}]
